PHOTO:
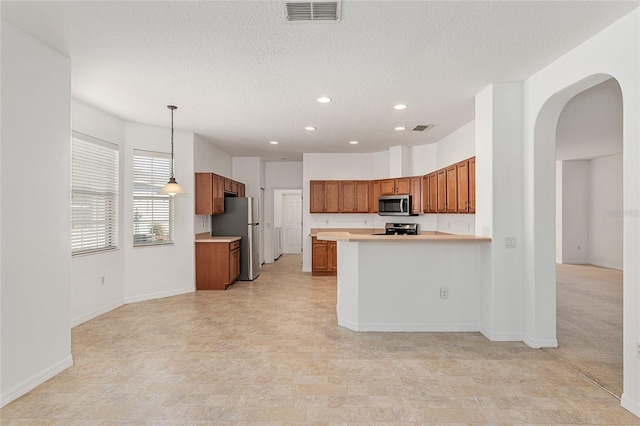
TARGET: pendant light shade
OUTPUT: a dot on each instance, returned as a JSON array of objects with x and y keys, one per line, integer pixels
[{"x": 172, "y": 187}]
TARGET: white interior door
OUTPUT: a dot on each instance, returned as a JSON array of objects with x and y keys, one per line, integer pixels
[{"x": 292, "y": 223}]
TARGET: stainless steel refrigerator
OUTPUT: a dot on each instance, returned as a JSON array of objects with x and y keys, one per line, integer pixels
[{"x": 240, "y": 218}]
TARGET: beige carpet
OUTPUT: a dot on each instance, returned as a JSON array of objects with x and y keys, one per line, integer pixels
[{"x": 589, "y": 323}]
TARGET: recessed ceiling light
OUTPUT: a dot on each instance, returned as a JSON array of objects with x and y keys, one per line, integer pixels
[
  {"x": 309, "y": 128},
  {"x": 400, "y": 128},
  {"x": 324, "y": 100},
  {"x": 354, "y": 142},
  {"x": 400, "y": 106},
  {"x": 274, "y": 142}
]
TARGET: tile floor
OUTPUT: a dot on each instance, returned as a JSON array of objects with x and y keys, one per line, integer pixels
[{"x": 270, "y": 352}]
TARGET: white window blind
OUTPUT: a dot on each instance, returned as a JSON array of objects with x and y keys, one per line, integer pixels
[
  {"x": 94, "y": 194},
  {"x": 152, "y": 212}
]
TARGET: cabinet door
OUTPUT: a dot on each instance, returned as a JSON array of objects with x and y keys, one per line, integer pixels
[
  {"x": 441, "y": 202},
  {"x": 452, "y": 189},
  {"x": 234, "y": 187},
  {"x": 212, "y": 266},
  {"x": 416, "y": 195},
  {"x": 387, "y": 187},
  {"x": 403, "y": 186},
  {"x": 240, "y": 189},
  {"x": 227, "y": 185},
  {"x": 218, "y": 207},
  {"x": 362, "y": 197},
  {"x": 374, "y": 191},
  {"x": 472, "y": 185},
  {"x": 332, "y": 247},
  {"x": 234, "y": 264},
  {"x": 204, "y": 193},
  {"x": 347, "y": 196},
  {"x": 462, "y": 177},
  {"x": 331, "y": 196},
  {"x": 425, "y": 194},
  {"x": 433, "y": 192},
  {"x": 319, "y": 255},
  {"x": 316, "y": 196}
]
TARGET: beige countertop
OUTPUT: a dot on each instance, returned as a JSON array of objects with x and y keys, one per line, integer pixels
[
  {"x": 209, "y": 239},
  {"x": 347, "y": 235},
  {"x": 367, "y": 231}
]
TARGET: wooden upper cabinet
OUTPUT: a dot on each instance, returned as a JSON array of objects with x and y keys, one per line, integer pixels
[
  {"x": 324, "y": 196},
  {"x": 218, "y": 198},
  {"x": 234, "y": 187},
  {"x": 240, "y": 189},
  {"x": 462, "y": 191},
  {"x": 387, "y": 187},
  {"x": 452, "y": 189},
  {"x": 204, "y": 193},
  {"x": 354, "y": 197},
  {"x": 374, "y": 193},
  {"x": 227, "y": 185},
  {"x": 332, "y": 196},
  {"x": 416, "y": 195},
  {"x": 347, "y": 196},
  {"x": 441, "y": 191},
  {"x": 362, "y": 196},
  {"x": 403, "y": 186},
  {"x": 433, "y": 192},
  {"x": 316, "y": 196},
  {"x": 472, "y": 185},
  {"x": 425, "y": 194}
]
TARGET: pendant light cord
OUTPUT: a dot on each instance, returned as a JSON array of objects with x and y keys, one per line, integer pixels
[{"x": 171, "y": 107}]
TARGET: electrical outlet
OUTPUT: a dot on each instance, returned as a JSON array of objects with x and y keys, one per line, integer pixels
[
  {"x": 510, "y": 242},
  {"x": 444, "y": 293},
  {"x": 102, "y": 280},
  {"x": 637, "y": 348}
]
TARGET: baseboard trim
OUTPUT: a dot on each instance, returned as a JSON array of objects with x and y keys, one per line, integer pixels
[
  {"x": 159, "y": 295},
  {"x": 407, "y": 327},
  {"x": 91, "y": 315},
  {"x": 540, "y": 343},
  {"x": 630, "y": 405},
  {"x": 34, "y": 381},
  {"x": 608, "y": 266},
  {"x": 502, "y": 336}
]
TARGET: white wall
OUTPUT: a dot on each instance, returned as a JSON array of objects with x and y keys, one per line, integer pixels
[
  {"x": 606, "y": 212},
  {"x": 499, "y": 208},
  {"x": 575, "y": 211},
  {"x": 35, "y": 244},
  {"x": 208, "y": 158},
  {"x": 279, "y": 175},
  {"x": 558, "y": 211},
  {"x": 89, "y": 297},
  {"x": 166, "y": 270},
  {"x": 615, "y": 51}
]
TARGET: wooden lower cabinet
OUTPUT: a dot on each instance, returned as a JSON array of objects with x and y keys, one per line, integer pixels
[
  {"x": 324, "y": 257},
  {"x": 217, "y": 264}
]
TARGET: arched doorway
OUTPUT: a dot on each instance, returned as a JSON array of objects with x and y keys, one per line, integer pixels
[
  {"x": 541, "y": 260},
  {"x": 589, "y": 235}
]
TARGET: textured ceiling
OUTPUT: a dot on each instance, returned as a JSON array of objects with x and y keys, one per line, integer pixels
[{"x": 241, "y": 76}]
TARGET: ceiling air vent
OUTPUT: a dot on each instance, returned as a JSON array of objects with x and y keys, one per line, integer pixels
[
  {"x": 304, "y": 11},
  {"x": 422, "y": 127}
]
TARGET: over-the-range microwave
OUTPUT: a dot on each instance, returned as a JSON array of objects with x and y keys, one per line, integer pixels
[{"x": 395, "y": 205}]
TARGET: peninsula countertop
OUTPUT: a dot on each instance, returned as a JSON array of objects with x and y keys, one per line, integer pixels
[
  {"x": 349, "y": 235},
  {"x": 210, "y": 239}
]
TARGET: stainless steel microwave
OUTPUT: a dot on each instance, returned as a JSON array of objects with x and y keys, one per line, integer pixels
[{"x": 395, "y": 205}]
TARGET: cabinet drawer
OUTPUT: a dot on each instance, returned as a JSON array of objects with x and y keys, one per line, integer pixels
[{"x": 234, "y": 245}]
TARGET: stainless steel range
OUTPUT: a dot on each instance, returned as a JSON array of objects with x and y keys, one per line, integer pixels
[{"x": 400, "y": 229}]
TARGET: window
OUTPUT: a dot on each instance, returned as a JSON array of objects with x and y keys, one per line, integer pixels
[
  {"x": 94, "y": 195},
  {"x": 152, "y": 212}
]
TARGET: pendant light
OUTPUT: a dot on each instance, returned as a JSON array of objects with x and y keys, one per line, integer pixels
[{"x": 172, "y": 187}]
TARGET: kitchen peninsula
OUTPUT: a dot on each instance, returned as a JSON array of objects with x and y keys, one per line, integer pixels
[{"x": 426, "y": 282}]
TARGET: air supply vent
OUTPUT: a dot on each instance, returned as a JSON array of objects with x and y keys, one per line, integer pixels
[
  {"x": 422, "y": 127},
  {"x": 304, "y": 11}
]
